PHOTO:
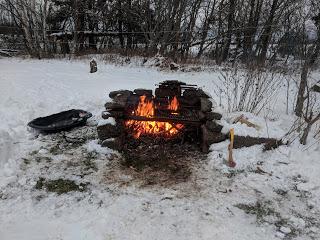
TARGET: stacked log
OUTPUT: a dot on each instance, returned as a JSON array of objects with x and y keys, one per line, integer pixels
[{"x": 210, "y": 129}]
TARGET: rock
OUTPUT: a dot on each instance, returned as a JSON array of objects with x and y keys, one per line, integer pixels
[
  {"x": 113, "y": 105},
  {"x": 121, "y": 99},
  {"x": 133, "y": 100},
  {"x": 127, "y": 60},
  {"x": 313, "y": 229},
  {"x": 280, "y": 235},
  {"x": 108, "y": 131},
  {"x": 109, "y": 120},
  {"x": 297, "y": 222},
  {"x": 174, "y": 66},
  {"x": 194, "y": 93},
  {"x": 141, "y": 92},
  {"x": 93, "y": 66},
  {"x": 120, "y": 92},
  {"x": 206, "y": 105},
  {"x": 116, "y": 114},
  {"x": 213, "y": 116},
  {"x": 213, "y": 126},
  {"x": 105, "y": 115},
  {"x": 316, "y": 88},
  {"x": 285, "y": 230}
]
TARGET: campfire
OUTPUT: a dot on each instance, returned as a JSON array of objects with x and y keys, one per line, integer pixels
[
  {"x": 176, "y": 111},
  {"x": 146, "y": 109}
]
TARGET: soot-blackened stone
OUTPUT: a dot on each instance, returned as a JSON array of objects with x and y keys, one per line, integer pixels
[
  {"x": 114, "y": 105},
  {"x": 141, "y": 92},
  {"x": 127, "y": 93}
]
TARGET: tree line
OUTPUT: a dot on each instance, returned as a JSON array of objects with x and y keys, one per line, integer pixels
[{"x": 223, "y": 30}]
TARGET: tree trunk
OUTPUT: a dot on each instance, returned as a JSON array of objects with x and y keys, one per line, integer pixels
[
  {"x": 226, "y": 48},
  {"x": 266, "y": 34},
  {"x": 205, "y": 28}
]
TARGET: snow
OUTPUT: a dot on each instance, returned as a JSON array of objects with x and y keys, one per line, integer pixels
[
  {"x": 311, "y": 30},
  {"x": 285, "y": 230},
  {"x": 109, "y": 120},
  {"x": 202, "y": 208}
]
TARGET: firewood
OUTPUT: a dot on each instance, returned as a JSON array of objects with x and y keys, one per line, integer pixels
[
  {"x": 213, "y": 116},
  {"x": 213, "y": 126},
  {"x": 113, "y": 105},
  {"x": 206, "y": 105},
  {"x": 209, "y": 137},
  {"x": 243, "y": 120}
]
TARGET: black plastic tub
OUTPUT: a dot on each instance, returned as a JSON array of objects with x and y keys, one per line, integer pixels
[{"x": 62, "y": 121}]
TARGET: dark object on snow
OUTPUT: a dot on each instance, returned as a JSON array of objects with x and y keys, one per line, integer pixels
[
  {"x": 273, "y": 144},
  {"x": 248, "y": 141},
  {"x": 93, "y": 66},
  {"x": 316, "y": 87},
  {"x": 62, "y": 121}
]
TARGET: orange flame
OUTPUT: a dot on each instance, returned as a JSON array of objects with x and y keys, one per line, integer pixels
[
  {"x": 146, "y": 108},
  {"x": 174, "y": 104}
]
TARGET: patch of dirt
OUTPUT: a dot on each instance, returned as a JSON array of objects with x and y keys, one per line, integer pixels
[{"x": 156, "y": 162}]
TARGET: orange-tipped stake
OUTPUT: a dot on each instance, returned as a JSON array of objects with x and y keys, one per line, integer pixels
[{"x": 231, "y": 163}]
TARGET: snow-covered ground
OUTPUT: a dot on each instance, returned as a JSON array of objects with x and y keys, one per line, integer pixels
[{"x": 282, "y": 201}]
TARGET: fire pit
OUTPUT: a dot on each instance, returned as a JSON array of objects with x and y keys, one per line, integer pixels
[{"x": 177, "y": 112}]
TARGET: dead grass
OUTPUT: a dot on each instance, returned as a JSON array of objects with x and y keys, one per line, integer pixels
[{"x": 59, "y": 186}]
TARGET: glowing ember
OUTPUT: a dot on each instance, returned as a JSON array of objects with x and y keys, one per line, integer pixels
[{"x": 146, "y": 108}]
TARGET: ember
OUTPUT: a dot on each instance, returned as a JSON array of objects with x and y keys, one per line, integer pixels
[{"x": 147, "y": 109}]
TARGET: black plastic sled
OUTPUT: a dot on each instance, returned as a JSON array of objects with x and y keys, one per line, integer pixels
[{"x": 62, "y": 121}]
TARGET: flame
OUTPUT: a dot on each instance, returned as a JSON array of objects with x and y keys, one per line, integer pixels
[
  {"x": 146, "y": 108},
  {"x": 174, "y": 104}
]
